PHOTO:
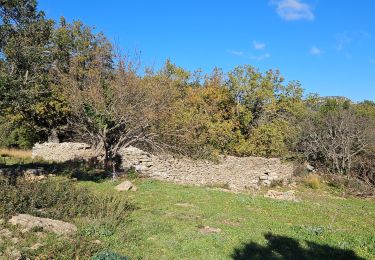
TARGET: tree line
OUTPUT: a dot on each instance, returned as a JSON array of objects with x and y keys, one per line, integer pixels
[{"x": 60, "y": 79}]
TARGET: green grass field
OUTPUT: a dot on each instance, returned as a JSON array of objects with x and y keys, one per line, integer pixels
[{"x": 168, "y": 220}]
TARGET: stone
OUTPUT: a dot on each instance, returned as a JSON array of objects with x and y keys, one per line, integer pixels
[
  {"x": 266, "y": 183},
  {"x": 278, "y": 195},
  {"x": 209, "y": 230},
  {"x": 126, "y": 186},
  {"x": 140, "y": 168},
  {"x": 239, "y": 173},
  {"x": 36, "y": 246},
  {"x": 33, "y": 175},
  {"x": 310, "y": 168},
  {"x": 62, "y": 152},
  {"x": 28, "y": 222}
]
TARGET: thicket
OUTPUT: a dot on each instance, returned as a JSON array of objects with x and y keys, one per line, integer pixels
[{"x": 64, "y": 79}]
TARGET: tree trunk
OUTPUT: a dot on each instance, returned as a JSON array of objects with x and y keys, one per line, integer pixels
[{"x": 109, "y": 162}]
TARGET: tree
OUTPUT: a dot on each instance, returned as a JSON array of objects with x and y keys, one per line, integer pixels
[
  {"x": 26, "y": 96},
  {"x": 112, "y": 108},
  {"x": 267, "y": 110},
  {"x": 335, "y": 138}
]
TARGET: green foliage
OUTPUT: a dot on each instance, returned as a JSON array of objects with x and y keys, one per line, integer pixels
[
  {"x": 109, "y": 255},
  {"x": 268, "y": 140},
  {"x": 59, "y": 199},
  {"x": 17, "y": 136}
]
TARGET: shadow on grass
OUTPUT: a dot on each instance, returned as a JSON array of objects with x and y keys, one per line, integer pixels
[
  {"x": 282, "y": 247},
  {"x": 79, "y": 169}
]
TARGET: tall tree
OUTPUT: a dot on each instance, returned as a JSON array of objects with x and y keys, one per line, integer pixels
[{"x": 115, "y": 108}]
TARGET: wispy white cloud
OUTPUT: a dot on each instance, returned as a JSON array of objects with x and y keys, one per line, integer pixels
[
  {"x": 260, "y": 57},
  {"x": 315, "y": 51},
  {"x": 236, "y": 53},
  {"x": 259, "y": 45},
  {"x": 343, "y": 40},
  {"x": 293, "y": 10}
]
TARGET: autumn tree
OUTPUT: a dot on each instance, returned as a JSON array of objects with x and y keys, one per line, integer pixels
[{"x": 113, "y": 107}]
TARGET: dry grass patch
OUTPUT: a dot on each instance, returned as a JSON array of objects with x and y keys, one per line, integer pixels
[
  {"x": 313, "y": 181},
  {"x": 15, "y": 153}
]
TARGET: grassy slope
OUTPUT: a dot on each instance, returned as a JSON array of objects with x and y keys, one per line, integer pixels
[{"x": 166, "y": 223}]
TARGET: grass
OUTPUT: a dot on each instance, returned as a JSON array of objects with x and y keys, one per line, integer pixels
[
  {"x": 15, "y": 153},
  {"x": 9, "y": 156},
  {"x": 167, "y": 222},
  {"x": 313, "y": 181}
]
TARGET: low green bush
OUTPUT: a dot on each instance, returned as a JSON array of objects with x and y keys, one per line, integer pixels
[
  {"x": 59, "y": 199},
  {"x": 109, "y": 255}
]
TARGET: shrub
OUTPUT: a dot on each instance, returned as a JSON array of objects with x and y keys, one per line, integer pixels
[
  {"x": 109, "y": 255},
  {"x": 59, "y": 199},
  {"x": 313, "y": 181},
  {"x": 269, "y": 139}
]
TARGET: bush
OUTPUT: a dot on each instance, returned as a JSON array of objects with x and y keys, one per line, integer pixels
[
  {"x": 350, "y": 186},
  {"x": 59, "y": 199},
  {"x": 18, "y": 136},
  {"x": 109, "y": 255},
  {"x": 313, "y": 181}
]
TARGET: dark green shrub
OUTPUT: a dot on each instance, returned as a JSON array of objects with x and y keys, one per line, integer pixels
[{"x": 109, "y": 255}]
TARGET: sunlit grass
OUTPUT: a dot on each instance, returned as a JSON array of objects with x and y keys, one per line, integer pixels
[{"x": 15, "y": 153}]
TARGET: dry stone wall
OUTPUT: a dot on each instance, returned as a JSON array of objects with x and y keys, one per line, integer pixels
[
  {"x": 235, "y": 173},
  {"x": 62, "y": 152}
]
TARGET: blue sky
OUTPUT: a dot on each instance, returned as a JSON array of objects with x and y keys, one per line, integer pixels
[{"x": 328, "y": 45}]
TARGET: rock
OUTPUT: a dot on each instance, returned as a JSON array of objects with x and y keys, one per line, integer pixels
[
  {"x": 126, "y": 186},
  {"x": 209, "y": 230},
  {"x": 310, "y": 168},
  {"x": 36, "y": 246},
  {"x": 33, "y": 175},
  {"x": 266, "y": 183},
  {"x": 278, "y": 195},
  {"x": 140, "y": 168},
  {"x": 27, "y": 222}
]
